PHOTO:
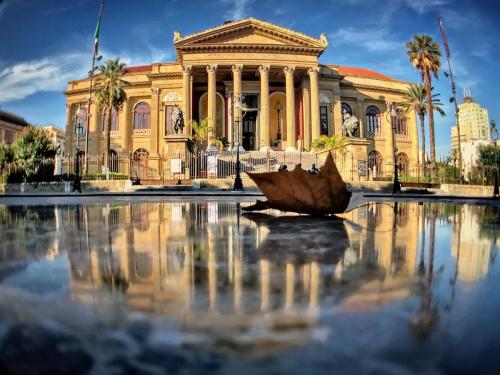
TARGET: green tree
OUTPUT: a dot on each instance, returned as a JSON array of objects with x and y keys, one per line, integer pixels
[
  {"x": 489, "y": 155},
  {"x": 325, "y": 142},
  {"x": 31, "y": 148},
  {"x": 110, "y": 96},
  {"x": 415, "y": 99},
  {"x": 198, "y": 142},
  {"x": 6, "y": 155},
  {"x": 425, "y": 56}
]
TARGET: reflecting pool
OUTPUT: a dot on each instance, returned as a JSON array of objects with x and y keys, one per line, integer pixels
[{"x": 198, "y": 287}]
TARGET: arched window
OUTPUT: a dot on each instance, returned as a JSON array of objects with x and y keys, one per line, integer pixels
[
  {"x": 402, "y": 162},
  {"x": 142, "y": 116},
  {"x": 347, "y": 108},
  {"x": 81, "y": 121},
  {"x": 114, "y": 120},
  {"x": 375, "y": 163},
  {"x": 141, "y": 153},
  {"x": 372, "y": 119},
  {"x": 400, "y": 125},
  {"x": 113, "y": 161}
]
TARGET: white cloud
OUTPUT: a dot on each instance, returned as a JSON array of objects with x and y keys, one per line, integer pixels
[
  {"x": 238, "y": 9},
  {"x": 53, "y": 73},
  {"x": 47, "y": 74},
  {"x": 422, "y": 6},
  {"x": 374, "y": 40}
]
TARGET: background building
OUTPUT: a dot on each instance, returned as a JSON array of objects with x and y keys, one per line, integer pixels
[
  {"x": 473, "y": 120},
  {"x": 58, "y": 137},
  {"x": 290, "y": 100},
  {"x": 10, "y": 126}
]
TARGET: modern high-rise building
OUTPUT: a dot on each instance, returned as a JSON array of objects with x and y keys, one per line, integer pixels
[{"x": 473, "y": 120}]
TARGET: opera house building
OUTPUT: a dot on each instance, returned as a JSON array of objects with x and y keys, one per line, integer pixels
[{"x": 259, "y": 83}]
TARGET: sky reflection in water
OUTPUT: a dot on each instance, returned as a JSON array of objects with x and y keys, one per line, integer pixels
[{"x": 412, "y": 287}]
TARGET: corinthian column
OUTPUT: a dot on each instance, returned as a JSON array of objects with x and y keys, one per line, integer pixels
[
  {"x": 315, "y": 126},
  {"x": 237, "y": 69},
  {"x": 290, "y": 109},
  {"x": 264, "y": 107},
  {"x": 360, "y": 104},
  {"x": 155, "y": 127},
  {"x": 70, "y": 131},
  {"x": 211, "y": 107},
  {"x": 186, "y": 95}
]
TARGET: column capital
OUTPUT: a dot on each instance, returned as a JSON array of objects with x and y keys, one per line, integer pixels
[
  {"x": 313, "y": 70},
  {"x": 186, "y": 69},
  {"x": 288, "y": 70},
  {"x": 237, "y": 68},
  {"x": 264, "y": 69},
  {"x": 212, "y": 69},
  {"x": 155, "y": 91},
  {"x": 360, "y": 99}
]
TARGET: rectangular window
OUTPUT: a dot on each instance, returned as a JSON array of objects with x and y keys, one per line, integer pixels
[
  {"x": 169, "y": 127},
  {"x": 400, "y": 124},
  {"x": 9, "y": 137},
  {"x": 323, "y": 120}
]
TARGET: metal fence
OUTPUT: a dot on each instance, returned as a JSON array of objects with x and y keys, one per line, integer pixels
[{"x": 159, "y": 169}]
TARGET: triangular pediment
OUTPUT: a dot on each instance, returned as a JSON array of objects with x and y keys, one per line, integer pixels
[{"x": 250, "y": 32}]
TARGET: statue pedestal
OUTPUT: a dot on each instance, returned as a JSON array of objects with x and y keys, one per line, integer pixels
[
  {"x": 351, "y": 159},
  {"x": 176, "y": 151},
  {"x": 176, "y": 145}
]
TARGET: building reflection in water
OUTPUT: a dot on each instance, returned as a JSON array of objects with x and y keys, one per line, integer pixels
[{"x": 211, "y": 266}]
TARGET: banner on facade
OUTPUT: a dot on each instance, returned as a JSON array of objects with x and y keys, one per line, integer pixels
[
  {"x": 362, "y": 168},
  {"x": 212, "y": 164}
]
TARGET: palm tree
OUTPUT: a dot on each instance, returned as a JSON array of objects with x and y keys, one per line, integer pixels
[
  {"x": 110, "y": 96},
  {"x": 415, "y": 99},
  {"x": 425, "y": 56}
]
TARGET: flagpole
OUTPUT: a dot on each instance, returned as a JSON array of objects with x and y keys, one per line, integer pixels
[
  {"x": 454, "y": 96},
  {"x": 91, "y": 77}
]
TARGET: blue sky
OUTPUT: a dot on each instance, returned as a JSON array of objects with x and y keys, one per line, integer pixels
[{"x": 45, "y": 43}]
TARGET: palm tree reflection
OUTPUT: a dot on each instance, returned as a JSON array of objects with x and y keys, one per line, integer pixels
[{"x": 424, "y": 322}]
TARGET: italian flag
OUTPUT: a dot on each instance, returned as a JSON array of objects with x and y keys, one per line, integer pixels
[
  {"x": 97, "y": 28},
  {"x": 96, "y": 37}
]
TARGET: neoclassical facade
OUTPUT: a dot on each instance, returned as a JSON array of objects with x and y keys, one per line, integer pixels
[{"x": 259, "y": 83}]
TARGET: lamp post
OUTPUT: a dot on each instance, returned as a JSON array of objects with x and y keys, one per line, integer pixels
[
  {"x": 78, "y": 131},
  {"x": 238, "y": 184},
  {"x": 278, "y": 110},
  {"x": 396, "y": 186},
  {"x": 494, "y": 135}
]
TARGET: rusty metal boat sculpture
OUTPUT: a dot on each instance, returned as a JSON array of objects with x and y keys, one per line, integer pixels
[{"x": 324, "y": 193}]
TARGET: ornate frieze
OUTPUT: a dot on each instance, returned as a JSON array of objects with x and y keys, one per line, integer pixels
[
  {"x": 323, "y": 98},
  {"x": 172, "y": 96},
  {"x": 142, "y": 132}
]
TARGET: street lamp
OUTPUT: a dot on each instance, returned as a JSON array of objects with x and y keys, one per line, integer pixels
[
  {"x": 238, "y": 184},
  {"x": 278, "y": 110},
  {"x": 494, "y": 135},
  {"x": 396, "y": 186},
  {"x": 78, "y": 130}
]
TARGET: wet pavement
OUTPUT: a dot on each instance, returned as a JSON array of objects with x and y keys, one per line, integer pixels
[{"x": 195, "y": 286}]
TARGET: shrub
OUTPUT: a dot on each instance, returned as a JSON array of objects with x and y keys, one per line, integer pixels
[{"x": 31, "y": 148}]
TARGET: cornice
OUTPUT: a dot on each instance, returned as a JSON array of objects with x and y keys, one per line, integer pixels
[
  {"x": 174, "y": 75},
  {"x": 262, "y": 48},
  {"x": 259, "y": 25},
  {"x": 372, "y": 88}
]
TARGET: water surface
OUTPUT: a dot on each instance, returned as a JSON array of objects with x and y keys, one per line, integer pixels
[{"x": 198, "y": 287}]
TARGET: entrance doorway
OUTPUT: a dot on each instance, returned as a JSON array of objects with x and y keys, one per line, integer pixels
[{"x": 249, "y": 130}]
